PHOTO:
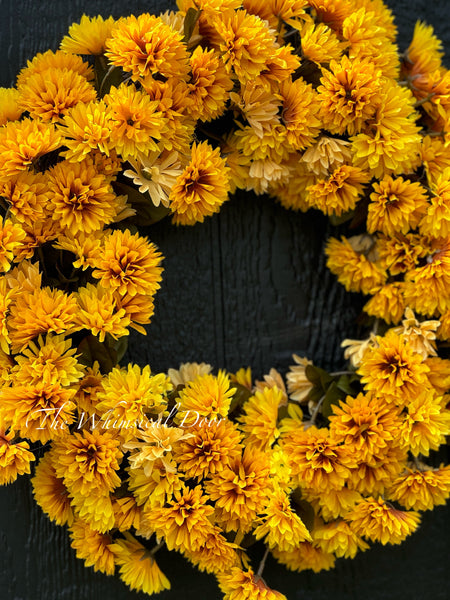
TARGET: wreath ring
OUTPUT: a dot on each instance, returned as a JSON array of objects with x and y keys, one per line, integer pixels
[{"x": 168, "y": 115}]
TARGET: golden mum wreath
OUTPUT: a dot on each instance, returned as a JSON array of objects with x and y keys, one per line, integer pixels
[{"x": 143, "y": 117}]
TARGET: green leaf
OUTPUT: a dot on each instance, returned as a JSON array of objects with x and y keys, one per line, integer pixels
[
  {"x": 317, "y": 376},
  {"x": 190, "y": 20},
  {"x": 91, "y": 349},
  {"x": 314, "y": 395},
  {"x": 146, "y": 212},
  {"x": 332, "y": 397},
  {"x": 340, "y": 219},
  {"x": 344, "y": 383}
]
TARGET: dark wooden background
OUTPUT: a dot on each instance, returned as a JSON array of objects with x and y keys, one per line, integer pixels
[{"x": 247, "y": 288}]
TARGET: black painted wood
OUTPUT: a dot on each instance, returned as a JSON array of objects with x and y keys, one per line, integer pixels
[{"x": 249, "y": 287}]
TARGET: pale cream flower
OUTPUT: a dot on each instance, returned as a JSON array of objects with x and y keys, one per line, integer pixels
[
  {"x": 299, "y": 385},
  {"x": 273, "y": 379},
  {"x": 326, "y": 155},
  {"x": 188, "y": 372},
  {"x": 420, "y": 335},
  {"x": 355, "y": 349}
]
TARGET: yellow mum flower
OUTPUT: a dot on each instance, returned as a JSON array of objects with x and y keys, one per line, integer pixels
[
  {"x": 436, "y": 222},
  {"x": 421, "y": 336},
  {"x": 339, "y": 192},
  {"x": 128, "y": 264},
  {"x": 137, "y": 566},
  {"x": 80, "y": 198},
  {"x": 332, "y": 504},
  {"x": 50, "y": 361},
  {"x": 96, "y": 510},
  {"x": 426, "y": 424},
  {"x": 11, "y": 237},
  {"x": 348, "y": 94},
  {"x": 366, "y": 423},
  {"x": 352, "y": 261},
  {"x": 208, "y": 449},
  {"x": 246, "y": 44},
  {"x": 127, "y": 513},
  {"x": 402, "y": 253},
  {"x": 421, "y": 489},
  {"x": 127, "y": 395},
  {"x": 216, "y": 555},
  {"x": 393, "y": 369},
  {"x": 396, "y": 206},
  {"x": 435, "y": 157},
  {"x": 424, "y": 53},
  {"x": 207, "y": 397},
  {"x": 50, "y": 492},
  {"x": 85, "y": 247},
  {"x": 378, "y": 521},
  {"x": 55, "y": 60},
  {"x": 41, "y": 311},
  {"x": 138, "y": 309},
  {"x": 156, "y": 489},
  {"x": 26, "y": 195},
  {"x": 209, "y": 85},
  {"x": 37, "y": 233},
  {"x": 331, "y": 12},
  {"x": 23, "y": 143},
  {"x": 9, "y": 105},
  {"x": 137, "y": 126},
  {"x": 245, "y": 585},
  {"x": 299, "y": 113},
  {"x": 259, "y": 419},
  {"x": 87, "y": 462},
  {"x": 241, "y": 490},
  {"x": 304, "y": 557},
  {"x": 92, "y": 547},
  {"x": 317, "y": 459},
  {"x": 145, "y": 45},
  {"x": 280, "y": 526},
  {"x": 49, "y": 94},
  {"x": 374, "y": 476},
  {"x": 339, "y": 539},
  {"x": 320, "y": 44},
  {"x": 88, "y": 36},
  {"x": 258, "y": 105},
  {"x": 15, "y": 458},
  {"x": 38, "y": 411},
  {"x": 184, "y": 521},
  {"x": 279, "y": 67},
  {"x": 86, "y": 127},
  {"x": 97, "y": 312},
  {"x": 202, "y": 187},
  {"x": 388, "y": 303}
]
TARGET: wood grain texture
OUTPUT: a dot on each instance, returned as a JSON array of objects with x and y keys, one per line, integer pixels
[{"x": 249, "y": 287}]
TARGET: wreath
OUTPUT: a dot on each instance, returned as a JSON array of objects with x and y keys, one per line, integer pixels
[{"x": 150, "y": 117}]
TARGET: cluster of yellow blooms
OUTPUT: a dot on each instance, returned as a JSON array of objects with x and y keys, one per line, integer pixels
[{"x": 142, "y": 117}]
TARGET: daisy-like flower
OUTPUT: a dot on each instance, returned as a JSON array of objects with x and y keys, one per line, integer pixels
[
  {"x": 320, "y": 44},
  {"x": 156, "y": 173},
  {"x": 22, "y": 144},
  {"x": 397, "y": 205},
  {"x": 183, "y": 522},
  {"x": 55, "y": 60},
  {"x": 347, "y": 95},
  {"x": 208, "y": 449},
  {"x": 96, "y": 510},
  {"x": 326, "y": 155},
  {"x": 209, "y": 85},
  {"x": 153, "y": 490},
  {"x": 50, "y": 492},
  {"x": 97, "y": 312},
  {"x": 138, "y": 309},
  {"x": 426, "y": 424},
  {"x": 129, "y": 393},
  {"x": 86, "y": 127},
  {"x": 128, "y": 264},
  {"x": 339, "y": 539},
  {"x": 259, "y": 419},
  {"x": 279, "y": 525},
  {"x": 351, "y": 260},
  {"x": 388, "y": 303},
  {"x": 92, "y": 547},
  {"x": 137, "y": 126},
  {"x": 48, "y": 95},
  {"x": 317, "y": 459},
  {"x": 238, "y": 584},
  {"x": 421, "y": 489},
  {"x": 304, "y": 557},
  {"x": 87, "y": 462},
  {"x": 88, "y": 36},
  {"x": 41, "y": 311},
  {"x": 298, "y": 384},
  {"x": 39, "y": 411},
  {"x": 378, "y": 521},
  {"x": 208, "y": 396},
  {"x": 299, "y": 113},
  {"x": 80, "y": 198},
  {"x": 9, "y": 105},
  {"x": 340, "y": 191},
  {"x": 246, "y": 44},
  {"x": 137, "y": 566},
  {"x": 393, "y": 369},
  {"x": 202, "y": 187},
  {"x": 15, "y": 457},
  {"x": 240, "y": 490},
  {"x": 146, "y": 46},
  {"x": 26, "y": 195},
  {"x": 366, "y": 423},
  {"x": 158, "y": 442},
  {"x": 51, "y": 361},
  {"x": 421, "y": 336}
]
